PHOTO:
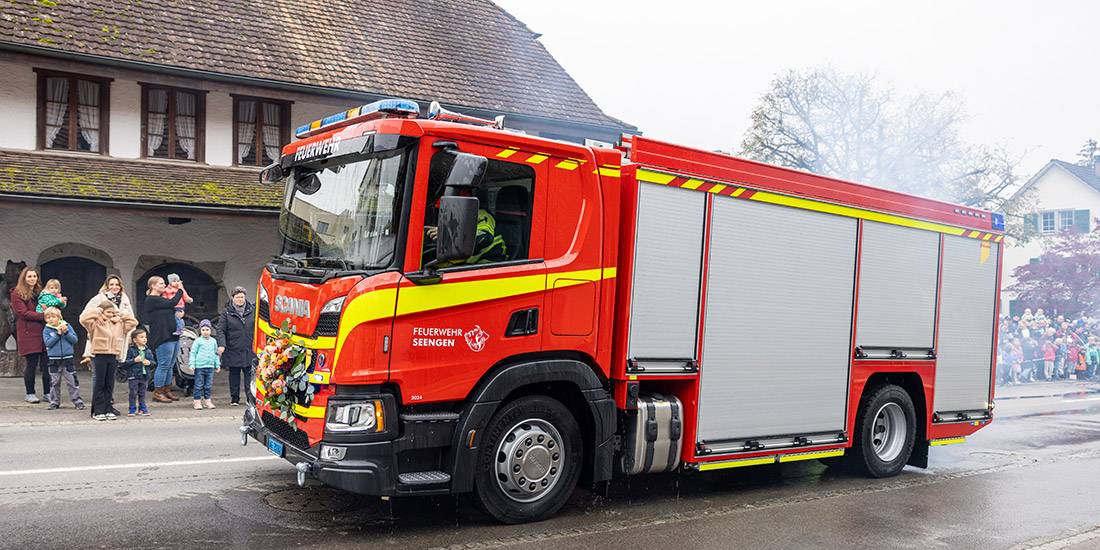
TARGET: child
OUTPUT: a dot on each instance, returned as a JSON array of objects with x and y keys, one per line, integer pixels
[
  {"x": 175, "y": 286},
  {"x": 136, "y": 365},
  {"x": 51, "y": 297},
  {"x": 107, "y": 329},
  {"x": 204, "y": 359},
  {"x": 59, "y": 339}
]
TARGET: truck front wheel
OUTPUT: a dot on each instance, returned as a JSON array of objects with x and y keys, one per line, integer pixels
[
  {"x": 885, "y": 432},
  {"x": 529, "y": 460}
]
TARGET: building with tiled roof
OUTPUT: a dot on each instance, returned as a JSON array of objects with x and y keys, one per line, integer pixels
[
  {"x": 1067, "y": 198},
  {"x": 134, "y": 131}
]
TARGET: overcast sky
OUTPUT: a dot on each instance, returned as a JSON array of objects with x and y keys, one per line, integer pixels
[{"x": 691, "y": 71}]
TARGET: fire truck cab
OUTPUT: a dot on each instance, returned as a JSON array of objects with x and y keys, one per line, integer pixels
[{"x": 502, "y": 314}]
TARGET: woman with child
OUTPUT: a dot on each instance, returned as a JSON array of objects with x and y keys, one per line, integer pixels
[
  {"x": 29, "y": 324},
  {"x": 107, "y": 329}
]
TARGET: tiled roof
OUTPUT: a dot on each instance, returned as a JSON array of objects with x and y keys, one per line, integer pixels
[
  {"x": 461, "y": 52},
  {"x": 89, "y": 176},
  {"x": 1086, "y": 174}
]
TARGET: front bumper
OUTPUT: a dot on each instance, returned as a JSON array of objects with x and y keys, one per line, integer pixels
[{"x": 367, "y": 468}]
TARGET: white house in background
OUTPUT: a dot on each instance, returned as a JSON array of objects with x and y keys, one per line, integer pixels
[{"x": 1067, "y": 199}]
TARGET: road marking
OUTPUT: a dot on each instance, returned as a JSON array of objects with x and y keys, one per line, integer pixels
[{"x": 138, "y": 465}]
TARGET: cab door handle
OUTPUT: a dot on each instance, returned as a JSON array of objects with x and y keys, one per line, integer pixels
[{"x": 524, "y": 322}]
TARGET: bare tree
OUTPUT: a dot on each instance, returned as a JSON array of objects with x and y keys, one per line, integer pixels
[{"x": 848, "y": 126}]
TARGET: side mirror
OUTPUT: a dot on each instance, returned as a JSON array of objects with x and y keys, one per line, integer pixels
[
  {"x": 457, "y": 228},
  {"x": 468, "y": 170},
  {"x": 272, "y": 174}
]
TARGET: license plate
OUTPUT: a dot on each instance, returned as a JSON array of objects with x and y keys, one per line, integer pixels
[{"x": 275, "y": 446}]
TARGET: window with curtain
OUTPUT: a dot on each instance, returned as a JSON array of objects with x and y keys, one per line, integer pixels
[
  {"x": 72, "y": 113},
  {"x": 173, "y": 123},
  {"x": 262, "y": 128}
]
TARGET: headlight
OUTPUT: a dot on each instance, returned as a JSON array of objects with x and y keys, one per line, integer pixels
[
  {"x": 355, "y": 417},
  {"x": 335, "y": 305},
  {"x": 263, "y": 293}
]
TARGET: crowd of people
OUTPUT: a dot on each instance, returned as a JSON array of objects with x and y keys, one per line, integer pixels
[
  {"x": 1036, "y": 347},
  {"x": 120, "y": 345}
]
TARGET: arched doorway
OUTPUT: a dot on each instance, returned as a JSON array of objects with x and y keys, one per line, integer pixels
[
  {"x": 199, "y": 285},
  {"x": 80, "y": 280}
]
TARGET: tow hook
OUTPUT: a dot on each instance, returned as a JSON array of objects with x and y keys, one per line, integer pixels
[
  {"x": 303, "y": 469},
  {"x": 244, "y": 435}
]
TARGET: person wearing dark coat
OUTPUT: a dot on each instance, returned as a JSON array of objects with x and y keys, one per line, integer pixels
[
  {"x": 235, "y": 333},
  {"x": 159, "y": 315},
  {"x": 29, "y": 325}
]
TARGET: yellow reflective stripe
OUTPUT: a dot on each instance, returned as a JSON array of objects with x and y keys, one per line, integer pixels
[
  {"x": 655, "y": 177},
  {"x": 848, "y": 211},
  {"x": 417, "y": 299},
  {"x": 536, "y": 158},
  {"x": 718, "y": 188},
  {"x": 737, "y": 192},
  {"x": 507, "y": 153},
  {"x": 987, "y": 236},
  {"x": 706, "y": 466},
  {"x": 612, "y": 172},
  {"x": 946, "y": 441},
  {"x": 692, "y": 184},
  {"x": 321, "y": 342},
  {"x": 567, "y": 165},
  {"x": 811, "y": 455},
  {"x": 379, "y": 304},
  {"x": 313, "y": 411}
]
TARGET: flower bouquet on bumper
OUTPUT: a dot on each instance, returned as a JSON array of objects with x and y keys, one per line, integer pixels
[{"x": 282, "y": 374}]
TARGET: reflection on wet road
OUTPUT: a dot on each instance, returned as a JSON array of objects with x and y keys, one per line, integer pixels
[{"x": 1031, "y": 478}]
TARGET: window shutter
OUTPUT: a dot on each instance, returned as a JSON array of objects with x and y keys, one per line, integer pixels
[
  {"x": 1081, "y": 221},
  {"x": 1032, "y": 221}
]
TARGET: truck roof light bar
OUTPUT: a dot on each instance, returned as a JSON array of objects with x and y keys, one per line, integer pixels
[
  {"x": 385, "y": 108},
  {"x": 437, "y": 112}
]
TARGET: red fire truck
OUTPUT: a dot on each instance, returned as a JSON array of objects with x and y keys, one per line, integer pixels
[{"x": 498, "y": 313}]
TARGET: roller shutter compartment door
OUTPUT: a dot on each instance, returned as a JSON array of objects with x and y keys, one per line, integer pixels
[
  {"x": 967, "y": 311},
  {"x": 777, "y": 337},
  {"x": 664, "y": 311},
  {"x": 897, "y": 287}
]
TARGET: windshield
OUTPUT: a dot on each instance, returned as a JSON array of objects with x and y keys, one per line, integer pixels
[{"x": 345, "y": 215}]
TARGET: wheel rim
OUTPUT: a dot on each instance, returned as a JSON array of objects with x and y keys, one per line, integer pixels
[
  {"x": 888, "y": 432},
  {"x": 529, "y": 459}
]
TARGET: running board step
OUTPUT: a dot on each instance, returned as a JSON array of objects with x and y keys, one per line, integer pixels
[
  {"x": 430, "y": 417},
  {"x": 423, "y": 478}
]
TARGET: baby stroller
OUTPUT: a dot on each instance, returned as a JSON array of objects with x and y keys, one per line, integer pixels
[{"x": 185, "y": 374}]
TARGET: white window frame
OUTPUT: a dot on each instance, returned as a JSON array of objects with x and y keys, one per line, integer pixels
[
  {"x": 1043, "y": 217},
  {"x": 1065, "y": 220}
]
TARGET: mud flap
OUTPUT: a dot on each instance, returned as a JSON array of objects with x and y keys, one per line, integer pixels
[{"x": 919, "y": 456}]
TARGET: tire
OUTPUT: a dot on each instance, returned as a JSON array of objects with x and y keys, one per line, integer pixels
[
  {"x": 888, "y": 411},
  {"x": 522, "y": 439}
]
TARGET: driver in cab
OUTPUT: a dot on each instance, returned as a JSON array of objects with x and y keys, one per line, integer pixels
[{"x": 489, "y": 245}]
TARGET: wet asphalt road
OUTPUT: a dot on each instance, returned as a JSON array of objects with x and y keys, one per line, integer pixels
[{"x": 181, "y": 480}]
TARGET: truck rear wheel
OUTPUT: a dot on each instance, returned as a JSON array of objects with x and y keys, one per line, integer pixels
[
  {"x": 529, "y": 460},
  {"x": 885, "y": 433}
]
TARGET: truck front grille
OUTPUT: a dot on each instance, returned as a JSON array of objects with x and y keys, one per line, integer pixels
[
  {"x": 328, "y": 324},
  {"x": 281, "y": 429}
]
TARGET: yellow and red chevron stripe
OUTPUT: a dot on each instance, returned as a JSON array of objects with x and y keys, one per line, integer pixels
[{"x": 745, "y": 193}]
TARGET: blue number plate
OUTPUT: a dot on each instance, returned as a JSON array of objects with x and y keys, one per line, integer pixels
[{"x": 275, "y": 446}]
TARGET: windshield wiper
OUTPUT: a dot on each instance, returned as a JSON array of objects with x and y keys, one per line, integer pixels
[{"x": 321, "y": 261}]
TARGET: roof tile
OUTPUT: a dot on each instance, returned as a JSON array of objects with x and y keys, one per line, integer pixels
[
  {"x": 462, "y": 52},
  {"x": 90, "y": 176}
]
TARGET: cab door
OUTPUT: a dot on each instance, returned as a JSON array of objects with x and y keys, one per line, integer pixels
[{"x": 447, "y": 334}]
